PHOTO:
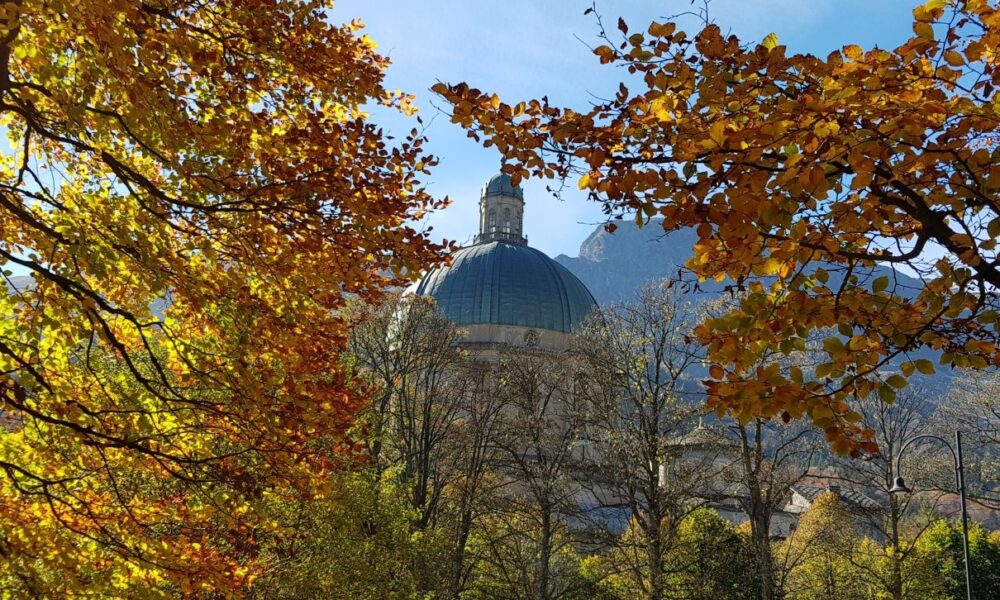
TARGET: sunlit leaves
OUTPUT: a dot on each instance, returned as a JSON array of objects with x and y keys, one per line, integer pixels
[
  {"x": 195, "y": 190},
  {"x": 811, "y": 172}
]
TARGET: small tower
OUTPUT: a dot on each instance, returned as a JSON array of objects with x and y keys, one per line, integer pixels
[{"x": 501, "y": 212}]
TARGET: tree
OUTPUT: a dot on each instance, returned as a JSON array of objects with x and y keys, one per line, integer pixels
[
  {"x": 894, "y": 424},
  {"x": 638, "y": 394},
  {"x": 357, "y": 544},
  {"x": 537, "y": 517},
  {"x": 407, "y": 352},
  {"x": 803, "y": 178},
  {"x": 971, "y": 407},
  {"x": 433, "y": 421},
  {"x": 772, "y": 458},
  {"x": 195, "y": 189},
  {"x": 711, "y": 560},
  {"x": 821, "y": 549},
  {"x": 943, "y": 546}
]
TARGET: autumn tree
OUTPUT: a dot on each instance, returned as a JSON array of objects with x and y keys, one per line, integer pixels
[
  {"x": 896, "y": 523},
  {"x": 359, "y": 543},
  {"x": 406, "y": 351},
  {"x": 707, "y": 559},
  {"x": 942, "y": 545},
  {"x": 801, "y": 175},
  {"x": 528, "y": 544},
  {"x": 194, "y": 190},
  {"x": 434, "y": 422},
  {"x": 821, "y": 549},
  {"x": 639, "y": 397}
]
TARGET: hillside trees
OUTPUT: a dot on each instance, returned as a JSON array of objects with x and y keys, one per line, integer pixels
[
  {"x": 194, "y": 189},
  {"x": 794, "y": 168}
]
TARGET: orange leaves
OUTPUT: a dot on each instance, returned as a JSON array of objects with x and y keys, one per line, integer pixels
[
  {"x": 661, "y": 29},
  {"x": 190, "y": 261},
  {"x": 844, "y": 167}
]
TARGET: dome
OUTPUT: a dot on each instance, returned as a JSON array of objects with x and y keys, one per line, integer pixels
[
  {"x": 502, "y": 185},
  {"x": 507, "y": 284}
]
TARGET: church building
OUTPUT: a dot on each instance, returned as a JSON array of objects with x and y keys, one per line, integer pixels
[{"x": 500, "y": 290}]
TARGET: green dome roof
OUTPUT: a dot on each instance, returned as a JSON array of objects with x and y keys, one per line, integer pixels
[
  {"x": 502, "y": 185},
  {"x": 505, "y": 284}
]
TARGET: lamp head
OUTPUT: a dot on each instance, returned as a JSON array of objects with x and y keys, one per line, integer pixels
[{"x": 899, "y": 487}]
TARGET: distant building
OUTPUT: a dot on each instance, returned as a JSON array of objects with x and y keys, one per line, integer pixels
[
  {"x": 502, "y": 291},
  {"x": 863, "y": 509}
]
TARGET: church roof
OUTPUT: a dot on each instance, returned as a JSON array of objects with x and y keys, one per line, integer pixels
[
  {"x": 502, "y": 185},
  {"x": 506, "y": 284},
  {"x": 851, "y": 498}
]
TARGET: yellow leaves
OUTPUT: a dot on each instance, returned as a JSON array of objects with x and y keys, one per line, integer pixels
[
  {"x": 924, "y": 30},
  {"x": 772, "y": 266},
  {"x": 826, "y": 128},
  {"x": 852, "y": 51},
  {"x": 929, "y": 11},
  {"x": 922, "y": 365},
  {"x": 897, "y": 381},
  {"x": 587, "y": 181},
  {"x": 662, "y": 107},
  {"x": 770, "y": 41},
  {"x": 833, "y": 346},
  {"x": 717, "y": 133}
]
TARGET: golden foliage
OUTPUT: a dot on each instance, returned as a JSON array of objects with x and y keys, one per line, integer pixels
[
  {"x": 800, "y": 175},
  {"x": 194, "y": 189}
]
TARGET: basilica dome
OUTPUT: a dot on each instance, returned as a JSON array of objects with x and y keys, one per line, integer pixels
[{"x": 502, "y": 291}]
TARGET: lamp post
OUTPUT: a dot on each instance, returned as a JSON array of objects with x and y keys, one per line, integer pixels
[{"x": 899, "y": 486}]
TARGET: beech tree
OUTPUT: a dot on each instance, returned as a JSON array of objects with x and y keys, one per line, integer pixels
[
  {"x": 823, "y": 546},
  {"x": 194, "y": 189},
  {"x": 793, "y": 168}
]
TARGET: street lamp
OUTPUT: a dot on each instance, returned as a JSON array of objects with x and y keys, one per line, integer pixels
[{"x": 899, "y": 486}]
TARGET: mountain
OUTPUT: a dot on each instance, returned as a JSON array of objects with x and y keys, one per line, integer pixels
[{"x": 614, "y": 266}]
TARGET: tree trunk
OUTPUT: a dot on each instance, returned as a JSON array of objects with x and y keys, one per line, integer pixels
[
  {"x": 760, "y": 531},
  {"x": 458, "y": 558},
  {"x": 544, "y": 554},
  {"x": 654, "y": 555}
]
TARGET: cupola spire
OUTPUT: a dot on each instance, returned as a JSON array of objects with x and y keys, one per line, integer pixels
[{"x": 501, "y": 212}]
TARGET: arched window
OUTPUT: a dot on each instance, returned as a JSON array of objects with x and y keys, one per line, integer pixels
[
  {"x": 491, "y": 223},
  {"x": 506, "y": 220}
]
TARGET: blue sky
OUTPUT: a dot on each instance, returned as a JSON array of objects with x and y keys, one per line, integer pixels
[{"x": 523, "y": 49}]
